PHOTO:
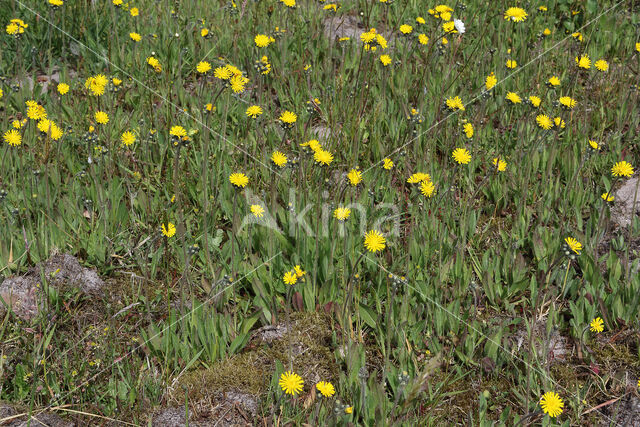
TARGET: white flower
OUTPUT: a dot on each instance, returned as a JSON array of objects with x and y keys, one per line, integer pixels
[{"x": 459, "y": 25}]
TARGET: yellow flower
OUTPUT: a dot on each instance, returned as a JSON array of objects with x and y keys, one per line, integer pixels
[
  {"x": 254, "y": 111},
  {"x": 355, "y": 177},
  {"x": 535, "y": 101},
  {"x": 313, "y": 144},
  {"x": 515, "y": 14},
  {"x": 553, "y": 81},
  {"x": 577, "y": 35},
  {"x": 449, "y": 27},
  {"x": 135, "y": 37},
  {"x": 299, "y": 272},
  {"x": 385, "y": 59},
  {"x": 63, "y": 88},
  {"x": 279, "y": 159},
  {"x": 567, "y": 102},
  {"x": 607, "y": 197},
  {"x": 289, "y": 3},
  {"x": 559, "y": 122},
  {"x": 388, "y": 163},
  {"x": 551, "y": 404},
  {"x": 257, "y": 211},
  {"x": 13, "y": 137},
  {"x": 349, "y": 409},
  {"x": 573, "y": 244},
  {"x": 128, "y": 138},
  {"x": 423, "y": 39},
  {"x": 544, "y": 121},
  {"x": 263, "y": 40},
  {"x": 134, "y": 11},
  {"x": 427, "y": 188},
  {"x": 341, "y": 214},
  {"x": 374, "y": 241},
  {"x": 546, "y": 32},
  {"x": 461, "y": 155},
  {"x": 169, "y": 230},
  {"x": 490, "y": 81},
  {"x": 203, "y": 67},
  {"x": 154, "y": 63},
  {"x": 597, "y": 325},
  {"x": 455, "y": 103},
  {"x": 500, "y": 164},
  {"x": 406, "y": 29},
  {"x": 513, "y": 97},
  {"x": 290, "y": 382},
  {"x": 601, "y": 65},
  {"x": 178, "y": 132},
  {"x": 239, "y": 180},
  {"x": 238, "y": 83},
  {"x": 204, "y": 32},
  {"x": 290, "y": 277},
  {"x": 222, "y": 73},
  {"x": 101, "y": 117},
  {"x": 622, "y": 168},
  {"x": 323, "y": 157},
  {"x": 594, "y": 145},
  {"x": 468, "y": 130},
  {"x": 325, "y": 388},
  {"x": 288, "y": 117},
  {"x": 418, "y": 177},
  {"x": 511, "y": 63},
  {"x": 583, "y": 62}
]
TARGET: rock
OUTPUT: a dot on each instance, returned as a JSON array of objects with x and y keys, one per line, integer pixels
[
  {"x": 42, "y": 419},
  {"x": 228, "y": 409},
  {"x": 623, "y": 210},
  {"x": 625, "y": 412},
  {"x": 343, "y": 26},
  {"x": 170, "y": 417},
  {"x": 21, "y": 293}
]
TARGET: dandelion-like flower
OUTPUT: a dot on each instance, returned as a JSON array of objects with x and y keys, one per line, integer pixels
[
  {"x": 12, "y": 137},
  {"x": 374, "y": 241},
  {"x": 262, "y": 40},
  {"x": 511, "y": 63},
  {"x": 291, "y": 383},
  {"x": 553, "y": 81},
  {"x": 513, "y": 97},
  {"x": 101, "y": 117},
  {"x": 423, "y": 39},
  {"x": 583, "y": 62},
  {"x": 341, "y": 214},
  {"x": 607, "y": 197},
  {"x": 535, "y": 101},
  {"x": 290, "y": 278},
  {"x": 257, "y": 211},
  {"x": 63, "y": 88},
  {"x": 567, "y": 102},
  {"x": 387, "y": 163},
  {"x": 461, "y": 155},
  {"x": 325, "y": 388},
  {"x": 544, "y": 121},
  {"x": 355, "y": 177},
  {"x": 238, "y": 180},
  {"x": 385, "y": 59},
  {"x": 418, "y": 177},
  {"x": 601, "y": 65},
  {"x": 596, "y": 325},
  {"x": 499, "y": 164},
  {"x": 622, "y": 168},
  {"x": 323, "y": 157},
  {"x": 551, "y": 404},
  {"x": 454, "y": 103},
  {"x": 135, "y": 37},
  {"x": 128, "y": 138},
  {"x": 427, "y": 188},
  {"x": 203, "y": 67},
  {"x": 168, "y": 230},
  {"x": 467, "y": 128},
  {"x": 573, "y": 244},
  {"x": 515, "y": 14},
  {"x": 490, "y": 81},
  {"x": 279, "y": 159},
  {"x": 287, "y": 119},
  {"x": 254, "y": 111}
]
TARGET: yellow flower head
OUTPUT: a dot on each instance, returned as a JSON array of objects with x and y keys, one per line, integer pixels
[
  {"x": 427, "y": 188},
  {"x": 128, "y": 138},
  {"x": 355, "y": 177},
  {"x": 238, "y": 180},
  {"x": 622, "y": 168},
  {"x": 341, "y": 214},
  {"x": 374, "y": 241},
  {"x": 12, "y": 137},
  {"x": 583, "y": 62},
  {"x": 597, "y": 325},
  {"x": 101, "y": 117},
  {"x": 135, "y": 37},
  {"x": 535, "y": 101},
  {"x": 325, "y": 388},
  {"x": 288, "y": 117},
  {"x": 607, "y": 197},
  {"x": 423, "y": 39},
  {"x": 169, "y": 230},
  {"x": 323, "y": 157},
  {"x": 203, "y": 67},
  {"x": 567, "y": 102},
  {"x": 490, "y": 81},
  {"x": 544, "y": 121},
  {"x": 551, "y": 404},
  {"x": 500, "y": 164},
  {"x": 513, "y": 97},
  {"x": 385, "y": 59},
  {"x": 406, "y": 29},
  {"x": 511, "y": 63},
  {"x": 601, "y": 65},
  {"x": 291, "y": 383},
  {"x": 63, "y": 88},
  {"x": 254, "y": 111},
  {"x": 461, "y": 155},
  {"x": 573, "y": 244},
  {"x": 515, "y": 14},
  {"x": 257, "y": 211},
  {"x": 418, "y": 177},
  {"x": 387, "y": 164},
  {"x": 279, "y": 159},
  {"x": 454, "y": 103}
]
